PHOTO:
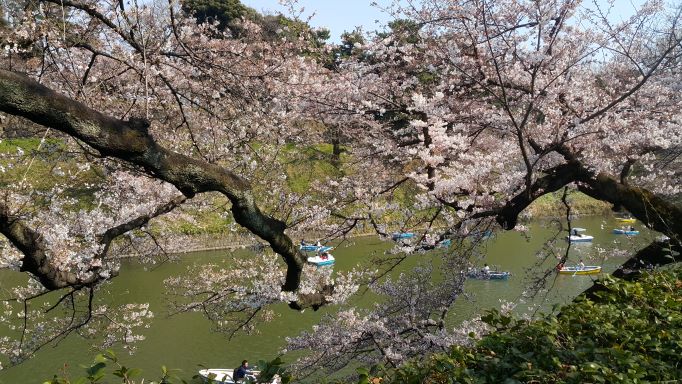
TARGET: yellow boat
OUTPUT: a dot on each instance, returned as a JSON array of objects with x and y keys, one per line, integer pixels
[
  {"x": 586, "y": 270},
  {"x": 626, "y": 220}
]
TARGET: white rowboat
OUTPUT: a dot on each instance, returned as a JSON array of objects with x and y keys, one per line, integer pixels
[{"x": 579, "y": 238}]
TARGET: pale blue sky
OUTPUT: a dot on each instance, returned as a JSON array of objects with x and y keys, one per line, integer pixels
[
  {"x": 336, "y": 15},
  {"x": 343, "y": 15}
]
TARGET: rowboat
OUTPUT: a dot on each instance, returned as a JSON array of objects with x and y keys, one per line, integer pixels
[
  {"x": 481, "y": 235},
  {"x": 321, "y": 261},
  {"x": 628, "y": 220},
  {"x": 402, "y": 235},
  {"x": 314, "y": 248},
  {"x": 625, "y": 232},
  {"x": 492, "y": 275},
  {"x": 577, "y": 270},
  {"x": 580, "y": 238},
  {"x": 444, "y": 244},
  {"x": 222, "y": 376}
]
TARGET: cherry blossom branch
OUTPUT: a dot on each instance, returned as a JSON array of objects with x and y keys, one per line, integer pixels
[
  {"x": 130, "y": 141},
  {"x": 30, "y": 243}
]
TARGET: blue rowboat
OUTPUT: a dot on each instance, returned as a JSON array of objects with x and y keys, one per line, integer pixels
[
  {"x": 625, "y": 232},
  {"x": 481, "y": 235},
  {"x": 315, "y": 248},
  {"x": 402, "y": 235},
  {"x": 492, "y": 275},
  {"x": 444, "y": 244}
]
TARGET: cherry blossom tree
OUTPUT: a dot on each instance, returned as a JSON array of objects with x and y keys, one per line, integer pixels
[
  {"x": 155, "y": 109},
  {"x": 487, "y": 106},
  {"x": 472, "y": 110}
]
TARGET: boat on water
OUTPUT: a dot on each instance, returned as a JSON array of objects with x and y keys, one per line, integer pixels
[
  {"x": 322, "y": 260},
  {"x": 481, "y": 235},
  {"x": 629, "y": 232},
  {"x": 402, "y": 235},
  {"x": 314, "y": 248},
  {"x": 490, "y": 275},
  {"x": 580, "y": 238},
  {"x": 222, "y": 376},
  {"x": 444, "y": 244},
  {"x": 662, "y": 239},
  {"x": 628, "y": 220},
  {"x": 578, "y": 270}
]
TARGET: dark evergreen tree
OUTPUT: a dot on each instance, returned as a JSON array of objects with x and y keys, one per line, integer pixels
[{"x": 227, "y": 13}]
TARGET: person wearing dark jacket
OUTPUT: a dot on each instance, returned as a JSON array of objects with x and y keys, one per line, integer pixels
[{"x": 241, "y": 372}]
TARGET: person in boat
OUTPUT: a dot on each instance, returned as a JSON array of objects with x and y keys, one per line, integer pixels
[
  {"x": 303, "y": 243},
  {"x": 575, "y": 232},
  {"x": 581, "y": 265},
  {"x": 324, "y": 255},
  {"x": 632, "y": 228},
  {"x": 318, "y": 243},
  {"x": 241, "y": 372},
  {"x": 560, "y": 266},
  {"x": 486, "y": 269}
]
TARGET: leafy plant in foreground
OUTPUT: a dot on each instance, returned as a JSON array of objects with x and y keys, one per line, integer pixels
[{"x": 629, "y": 332}]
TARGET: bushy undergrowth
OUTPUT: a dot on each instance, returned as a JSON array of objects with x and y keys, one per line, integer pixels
[{"x": 629, "y": 332}]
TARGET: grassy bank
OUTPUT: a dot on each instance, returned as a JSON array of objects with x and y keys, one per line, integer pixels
[{"x": 550, "y": 205}]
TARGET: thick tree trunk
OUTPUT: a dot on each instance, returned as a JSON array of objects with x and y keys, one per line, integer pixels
[
  {"x": 655, "y": 212},
  {"x": 336, "y": 151}
]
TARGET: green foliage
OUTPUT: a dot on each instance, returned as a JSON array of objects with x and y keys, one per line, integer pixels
[
  {"x": 227, "y": 13},
  {"x": 349, "y": 43},
  {"x": 97, "y": 373},
  {"x": 350, "y": 47},
  {"x": 630, "y": 332},
  {"x": 268, "y": 370},
  {"x": 406, "y": 31}
]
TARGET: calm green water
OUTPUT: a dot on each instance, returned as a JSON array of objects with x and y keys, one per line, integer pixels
[{"x": 184, "y": 341}]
